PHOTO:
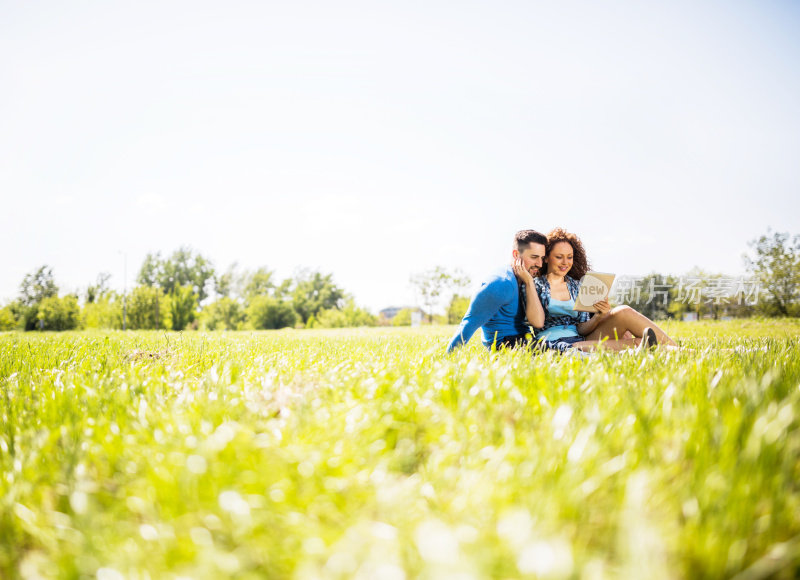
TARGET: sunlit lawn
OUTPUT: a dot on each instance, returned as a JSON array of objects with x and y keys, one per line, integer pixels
[{"x": 371, "y": 454}]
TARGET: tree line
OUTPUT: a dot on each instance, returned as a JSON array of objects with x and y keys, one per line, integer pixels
[
  {"x": 184, "y": 291},
  {"x": 771, "y": 287}
]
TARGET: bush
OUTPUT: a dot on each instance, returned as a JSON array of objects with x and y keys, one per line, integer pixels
[
  {"x": 457, "y": 308},
  {"x": 224, "y": 314},
  {"x": 148, "y": 308},
  {"x": 330, "y": 318},
  {"x": 265, "y": 312},
  {"x": 35, "y": 287},
  {"x": 7, "y": 319},
  {"x": 104, "y": 312},
  {"x": 402, "y": 318},
  {"x": 59, "y": 313},
  {"x": 358, "y": 316},
  {"x": 182, "y": 306},
  {"x": 349, "y": 316}
]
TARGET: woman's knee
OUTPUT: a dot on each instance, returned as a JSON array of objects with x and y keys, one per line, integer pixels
[{"x": 622, "y": 310}]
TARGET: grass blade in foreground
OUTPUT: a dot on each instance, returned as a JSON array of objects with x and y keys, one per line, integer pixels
[{"x": 371, "y": 454}]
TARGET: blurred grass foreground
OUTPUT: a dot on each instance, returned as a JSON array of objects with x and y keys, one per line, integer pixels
[{"x": 371, "y": 454}]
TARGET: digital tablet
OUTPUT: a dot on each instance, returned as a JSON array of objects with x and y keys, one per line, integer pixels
[{"x": 595, "y": 286}]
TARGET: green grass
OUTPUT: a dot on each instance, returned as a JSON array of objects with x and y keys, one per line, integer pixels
[{"x": 370, "y": 454}]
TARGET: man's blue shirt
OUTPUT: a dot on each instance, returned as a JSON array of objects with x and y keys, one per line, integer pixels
[{"x": 495, "y": 308}]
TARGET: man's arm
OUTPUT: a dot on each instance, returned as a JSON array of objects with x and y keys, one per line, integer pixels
[{"x": 485, "y": 304}]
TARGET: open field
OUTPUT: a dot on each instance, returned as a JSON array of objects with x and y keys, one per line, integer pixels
[{"x": 370, "y": 454}]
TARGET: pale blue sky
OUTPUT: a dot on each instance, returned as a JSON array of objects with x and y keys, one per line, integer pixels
[{"x": 374, "y": 140}]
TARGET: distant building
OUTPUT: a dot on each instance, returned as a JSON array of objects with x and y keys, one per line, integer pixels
[{"x": 391, "y": 312}]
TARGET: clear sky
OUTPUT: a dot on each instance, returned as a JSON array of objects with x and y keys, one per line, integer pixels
[{"x": 374, "y": 140}]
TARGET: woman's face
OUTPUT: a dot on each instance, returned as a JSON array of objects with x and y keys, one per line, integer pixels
[{"x": 559, "y": 260}]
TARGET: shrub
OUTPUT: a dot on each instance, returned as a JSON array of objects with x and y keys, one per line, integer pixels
[
  {"x": 402, "y": 318},
  {"x": 182, "y": 306},
  {"x": 265, "y": 312},
  {"x": 457, "y": 308},
  {"x": 7, "y": 319},
  {"x": 330, "y": 318},
  {"x": 104, "y": 312},
  {"x": 224, "y": 314},
  {"x": 59, "y": 313},
  {"x": 148, "y": 308},
  {"x": 350, "y": 315}
]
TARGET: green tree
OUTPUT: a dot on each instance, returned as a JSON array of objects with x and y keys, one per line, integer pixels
[
  {"x": 313, "y": 292},
  {"x": 257, "y": 283},
  {"x": 18, "y": 312},
  {"x": 35, "y": 287},
  {"x": 713, "y": 300},
  {"x": 223, "y": 314},
  {"x": 225, "y": 283},
  {"x": 697, "y": 292},
  {"x": 660, "y": 296},
  {"x": 148, "y": 308},
  {"x": 8, "y": 321},
  {"x": 653, "y": 295},
  {"x": 183, "y": 268},
  {"x": 283, "y": 291},
  {"x": 356, "y": 316},
  {"x": 183, "y": 306},
  {"x": 104, "y": 312},
  {"x": 329, "y": 318},
  {"x": 348, "y": 316},
  {"x": 403, "y": 318},
  {"x": 266, "y": 312},
  {"x": 457, "y": 308},
  {"x": 99, "y": 289},
  {"x": 406, "y": 316},
  {"x": 187, "y": 268},
  {"x": 151, "y": 271},
  {"x": 775, "y": 262},
  {"x": 432, "y": 285},
  {"x": 56, "y": 313}
]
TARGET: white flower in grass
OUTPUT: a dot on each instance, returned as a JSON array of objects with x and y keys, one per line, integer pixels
[
  {"x": 233, "y": 503},
  {"x": 561, "y": 420},
  {"x": 549, "y": 559},
  {"x": 436, "y": 542}
]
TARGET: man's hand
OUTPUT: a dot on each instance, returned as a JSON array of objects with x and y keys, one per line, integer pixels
[{"x": 521, "y": 273}]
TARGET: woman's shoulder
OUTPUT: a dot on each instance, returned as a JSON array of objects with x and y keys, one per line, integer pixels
[
  {"x": 542, "y": 289},
  {"x": 573, "y": 286}
]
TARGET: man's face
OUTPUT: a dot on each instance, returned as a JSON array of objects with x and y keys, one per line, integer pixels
[{"x": 531, "y": 258}]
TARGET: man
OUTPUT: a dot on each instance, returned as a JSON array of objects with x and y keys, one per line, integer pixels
[{"x": 497, "y": 307}]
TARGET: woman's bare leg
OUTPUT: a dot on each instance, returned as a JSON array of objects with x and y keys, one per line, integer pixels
[
  {"x": 626, "y": 319},
  {"x": 610, "y": 344},
  {"x": 616, "y": 345}
]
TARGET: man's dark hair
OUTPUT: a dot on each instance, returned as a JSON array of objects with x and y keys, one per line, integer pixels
[{"x": 524, "y": 238}]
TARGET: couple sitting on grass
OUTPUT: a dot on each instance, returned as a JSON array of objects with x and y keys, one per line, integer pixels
[{"x": 539, "y": 289}]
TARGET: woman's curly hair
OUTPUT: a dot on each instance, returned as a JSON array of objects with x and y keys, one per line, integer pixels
[{"x": 580, "y": 263}]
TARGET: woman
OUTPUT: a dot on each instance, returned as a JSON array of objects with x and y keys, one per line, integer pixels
[{"x": 550, "y": 303}]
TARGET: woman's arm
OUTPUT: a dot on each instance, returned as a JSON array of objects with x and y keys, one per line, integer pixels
[
  {"x": 533, "y": 306},
  {"x": 604, "y": 308}
]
